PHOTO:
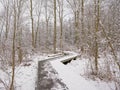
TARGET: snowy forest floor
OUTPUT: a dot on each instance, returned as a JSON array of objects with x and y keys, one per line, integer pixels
[{"x": 73, "y": 75}]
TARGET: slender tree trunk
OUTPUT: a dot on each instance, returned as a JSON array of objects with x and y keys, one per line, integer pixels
[
  {"x": 13, "y": 50},
  {"x": 36, "y": 34},
  {"x": 76, "y": 16},
  {"x": 47, "y": 35},
  {"x": 20, "y": 54},
  {"x": 60, "y": 4},
  {"x": 1, "y": 30},
  {"x": 77, "y": 29},
  {"x": 55, "y": 26},
  {"x": 96, "y": 30},
  {"x": 82, "y": 24},
  {"x": 82, "y": 13},
  {"x": 7, "y": 19},
  {"x": 32, "y": 22},
  {"x": 61, "y": 33},
  {"x": 47, "y": 21}
]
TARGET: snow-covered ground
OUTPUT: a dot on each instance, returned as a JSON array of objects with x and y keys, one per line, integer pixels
[
  {"x": 25, "y": 74},
  {"x": 72, "y": 75}
]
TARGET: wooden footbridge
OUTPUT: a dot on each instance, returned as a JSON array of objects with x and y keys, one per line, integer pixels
[{"x": 46, "y": 76}]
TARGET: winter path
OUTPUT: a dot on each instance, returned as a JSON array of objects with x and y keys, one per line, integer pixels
[{"x": 48, "y": 78}]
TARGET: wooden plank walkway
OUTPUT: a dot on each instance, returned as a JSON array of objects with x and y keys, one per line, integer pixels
[{"x": 48, "y": 78}]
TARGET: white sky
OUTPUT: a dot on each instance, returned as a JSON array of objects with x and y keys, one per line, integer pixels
[{"x": 1, "y": 7}]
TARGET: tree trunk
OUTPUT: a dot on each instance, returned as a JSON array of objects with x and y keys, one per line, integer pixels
[
  {"x": 60, "y": 4},
  {"x": 82, "y": 24},
  {"x": 13, "y": 50},
  {"x": 32, "y": 22},
  {"x": 47, "y": 21},
  {"x": 96, "y": 30},
  {"x": 7, "y": 19},
  {"x": 37, "y": 33},
  {"x": 54, "y": 26}
]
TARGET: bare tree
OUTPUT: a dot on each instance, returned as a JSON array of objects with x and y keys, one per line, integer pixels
[
  {"x": 19, "y": 8},
  {"x": 32, "y": 23},
  {"x": 75, "y": 6},
  {"x": 47, "y": 17},
  {"x": 6, "y": 5},
  {"x": 38, "y": 13},
  {"x": 55, "y": 26},
  {"x": 97, "y": 11},
  {"x": 13, "y": 47},
  {"x": 60, "y": 11},
  {"x": 7, "y": 19},
  {"x": 82, "y": 24}
]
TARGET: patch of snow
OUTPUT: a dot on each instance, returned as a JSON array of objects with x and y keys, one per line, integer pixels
[
  {"x": 26, "y": 75},
  {"x": 72, "y": 76}
]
